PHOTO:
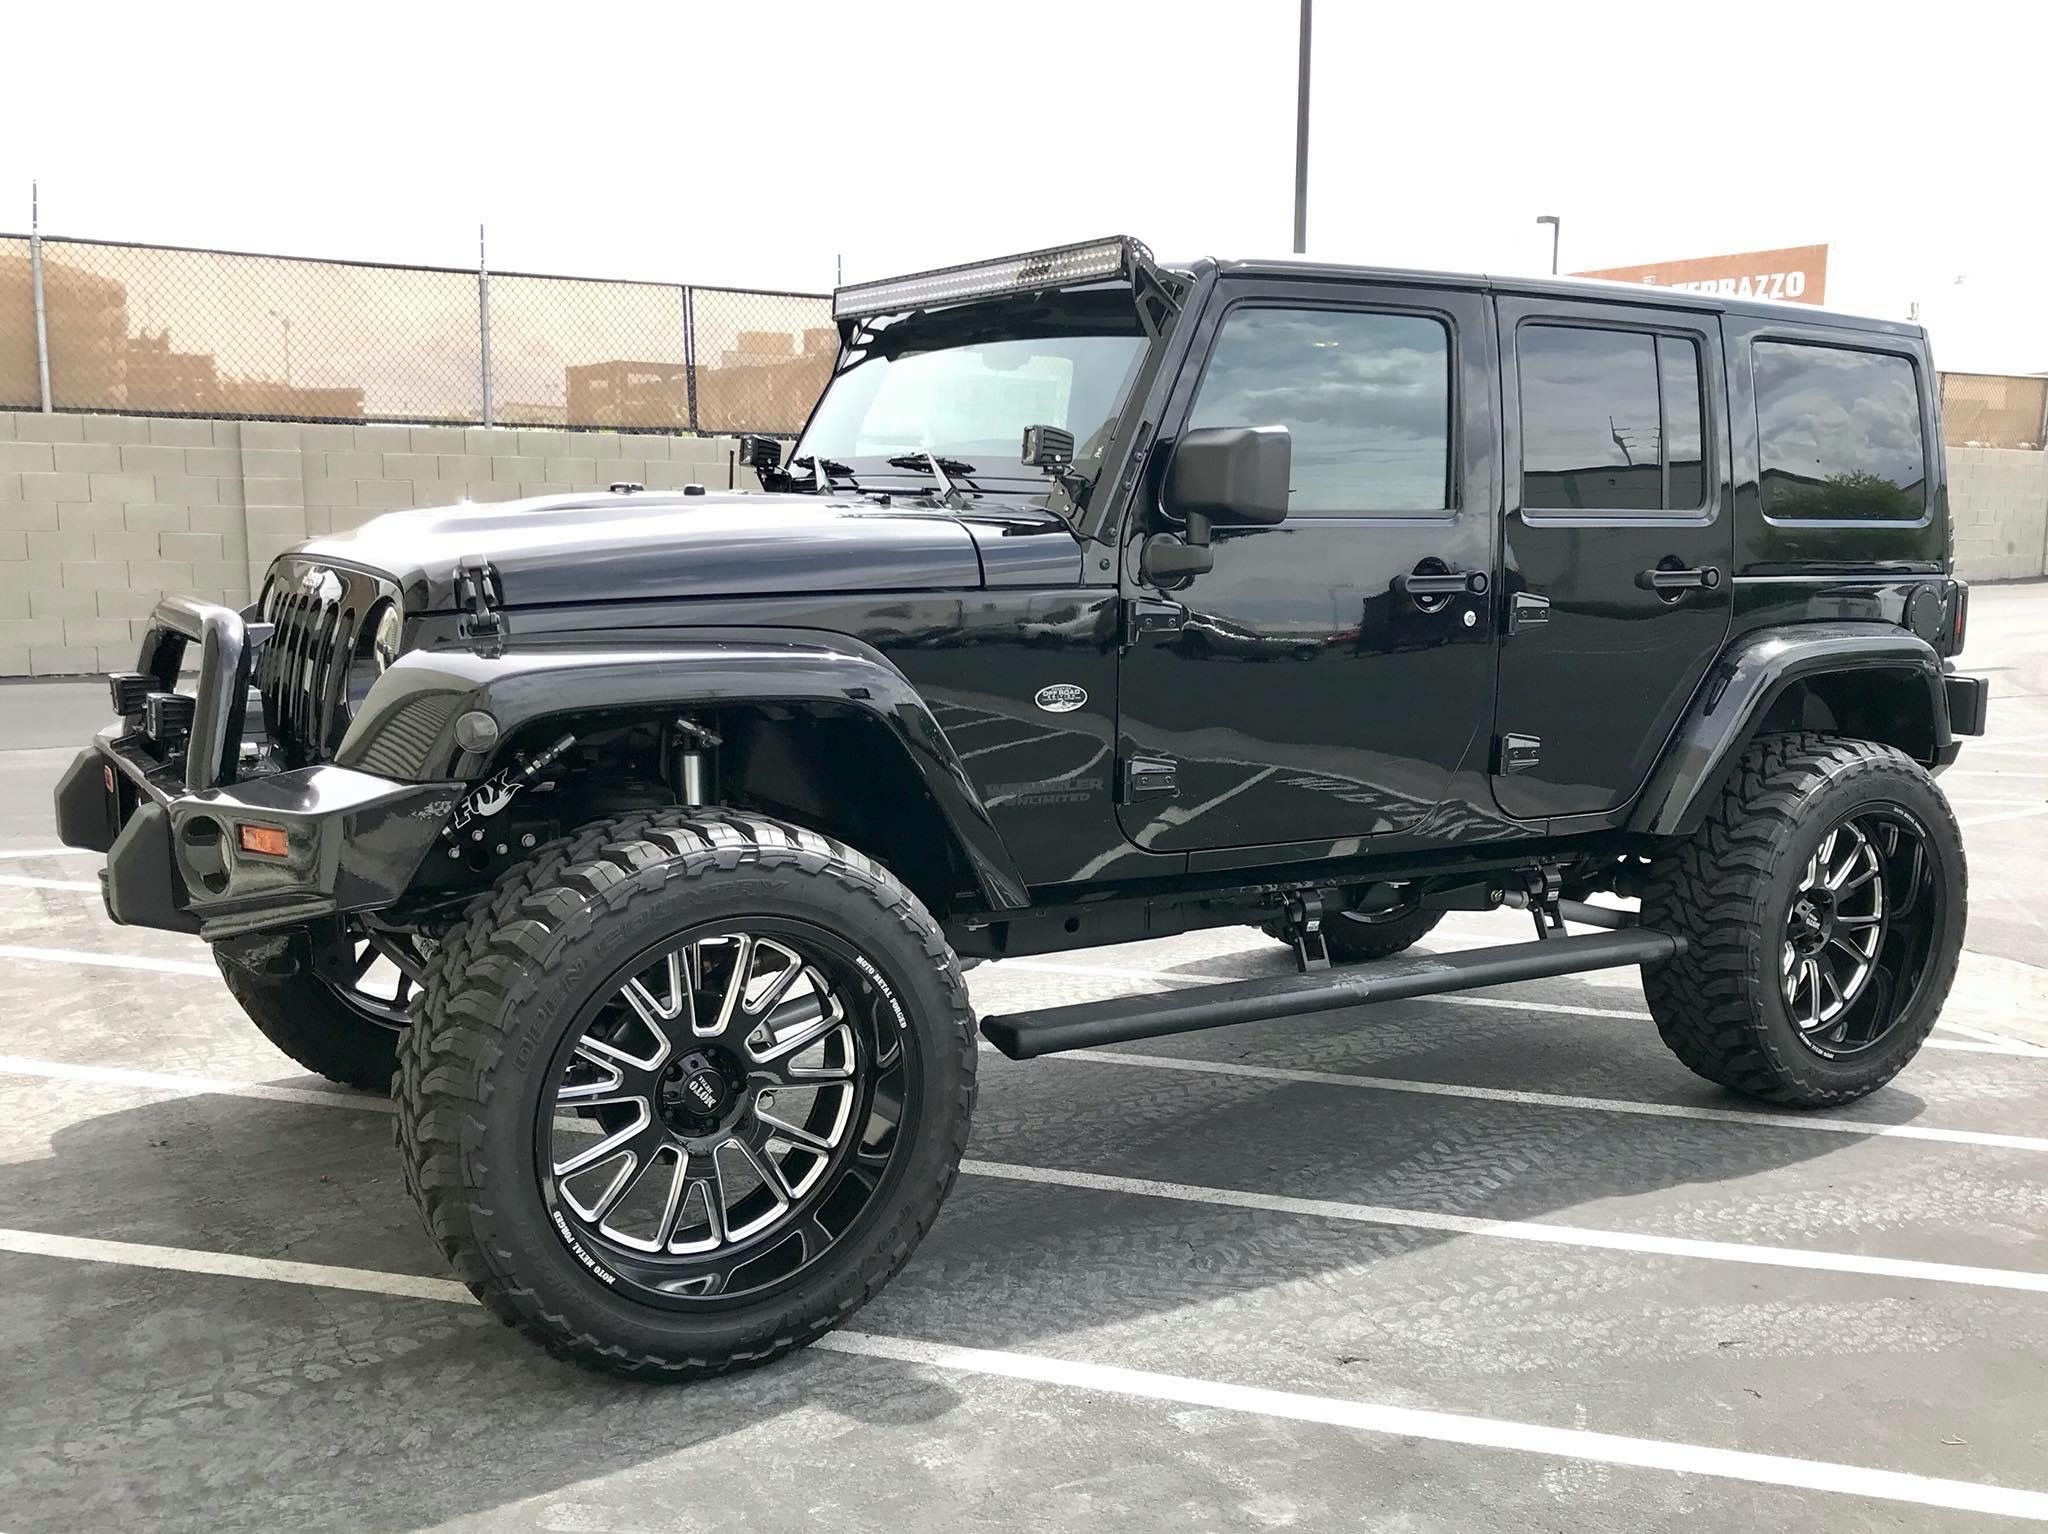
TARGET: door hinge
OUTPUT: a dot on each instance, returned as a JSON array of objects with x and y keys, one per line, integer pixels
[
  {"x": 1146, "y": 616},
  {"x": 478, "y": 598},
  {"x": 1518, "y": 753},
  {"x": 1148, "y": 777},
  {"x": 1526, "y": 610}
]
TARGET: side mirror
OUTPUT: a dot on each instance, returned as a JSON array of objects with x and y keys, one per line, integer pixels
[
  {"x": 761, "y": 454},
  {"x": 1232, "y": 476}
]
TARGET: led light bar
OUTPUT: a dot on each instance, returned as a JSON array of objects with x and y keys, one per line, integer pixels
[{"x": 1057, "y": 267}]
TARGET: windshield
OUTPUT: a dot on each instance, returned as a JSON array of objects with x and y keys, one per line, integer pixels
[{"x": 965, "y": 395}]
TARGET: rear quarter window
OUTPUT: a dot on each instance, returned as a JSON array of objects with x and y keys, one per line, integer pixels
[{"x": 1838, "y": 434}]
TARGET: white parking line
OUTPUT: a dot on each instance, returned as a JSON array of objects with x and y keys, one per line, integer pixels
[
  {"x": 1140, "y": 1384},
  {"x": 190, "y": 1086},
  {"x": 23, "y": 881},
  {"x": 1761, "y": 1117},
  {"x": 106, "y": 960},
  {"x": 48, "y": 852},
  {"x": 1992, "y": 820},
  {"x": 1369, "y": 1214},
  {"x": 1524, "y": 1230}
]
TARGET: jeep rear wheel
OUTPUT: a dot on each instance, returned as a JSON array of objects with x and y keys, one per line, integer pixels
[
  {"x": 1354, "y": 937},
  {"x": 686, "y": 1091},
  {"x": 346, "y": 1029},
  {"x": 1823, "y": 903}
]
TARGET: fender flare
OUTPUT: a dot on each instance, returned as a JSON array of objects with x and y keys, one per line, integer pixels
[
  {"x": 1738, "y": 693},
  {"x": 406, "y": 726}
]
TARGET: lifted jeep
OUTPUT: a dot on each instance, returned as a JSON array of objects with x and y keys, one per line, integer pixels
[{"x": 1100, "y": 599}]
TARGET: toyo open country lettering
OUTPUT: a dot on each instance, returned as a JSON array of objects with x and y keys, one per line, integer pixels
[{"x": 1100, "y": 599}]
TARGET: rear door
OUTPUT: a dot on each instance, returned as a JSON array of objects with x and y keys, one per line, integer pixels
[{"x": 1618, "y": 542}]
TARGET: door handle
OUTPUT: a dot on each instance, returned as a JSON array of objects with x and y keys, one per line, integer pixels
[
  {"x": 1668, "y": 582},
  {"x": 1421, "y": 582}
]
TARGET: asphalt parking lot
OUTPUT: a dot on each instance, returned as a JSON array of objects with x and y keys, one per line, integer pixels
[{"x": 1470, "y": 1263}]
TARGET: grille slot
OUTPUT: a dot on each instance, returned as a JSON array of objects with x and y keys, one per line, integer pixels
[{"x": 301, "y": 674}]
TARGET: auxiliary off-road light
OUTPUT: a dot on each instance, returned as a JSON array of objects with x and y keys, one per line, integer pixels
[
  {"x": 1056, "y": 267},
  {"x": 268, "y": 841}
]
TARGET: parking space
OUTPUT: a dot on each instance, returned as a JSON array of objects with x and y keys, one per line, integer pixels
[{"x": 1464, "y": 1263}]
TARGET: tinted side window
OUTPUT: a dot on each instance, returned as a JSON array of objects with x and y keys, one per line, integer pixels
[
  {"x": 1839, "y": 434},
  {"x": 1366, "y": 396},
  {"x": 1612, "y": 420}
]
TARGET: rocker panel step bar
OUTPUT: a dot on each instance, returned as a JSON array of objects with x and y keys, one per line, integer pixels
[{"x": 1025, "y": 1035}]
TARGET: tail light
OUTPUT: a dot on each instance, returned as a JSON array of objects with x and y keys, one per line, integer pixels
[{"x": 1959, "y": 617}]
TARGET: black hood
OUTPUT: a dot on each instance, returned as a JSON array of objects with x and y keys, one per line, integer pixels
[{"x": 650, "y": 545}]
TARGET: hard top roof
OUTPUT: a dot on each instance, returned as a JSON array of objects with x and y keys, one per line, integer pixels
[{"x": 1589, "y": 289}]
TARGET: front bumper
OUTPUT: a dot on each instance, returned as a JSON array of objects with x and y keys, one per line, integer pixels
[{"x": 171, "y": 824}]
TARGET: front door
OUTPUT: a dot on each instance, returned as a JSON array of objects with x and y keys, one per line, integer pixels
[
  {"x": 1618, "y": 584},
  {"x": 1326, "y": 680}
]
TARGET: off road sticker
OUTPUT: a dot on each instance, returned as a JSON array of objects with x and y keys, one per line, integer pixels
[{"x": 1061, "y": 697}]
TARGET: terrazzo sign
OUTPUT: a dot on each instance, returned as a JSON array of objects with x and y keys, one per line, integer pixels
[{"x": 1797, "y": 274}]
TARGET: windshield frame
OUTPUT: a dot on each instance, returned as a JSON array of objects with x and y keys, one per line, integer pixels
[{"x": 1094, "y": 308}]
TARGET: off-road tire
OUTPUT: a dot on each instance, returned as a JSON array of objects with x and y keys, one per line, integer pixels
[
  {"x": 505, "y": 986},
  {"x": 1352, "y": 940},
  {"x": 1727, "y": 890},
  {"x": 309, "y": 1021}
]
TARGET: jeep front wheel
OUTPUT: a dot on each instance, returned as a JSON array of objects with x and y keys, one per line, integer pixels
[
  {"x": 686, "y": 1091},
  {"x": 1822, "y": 902}
]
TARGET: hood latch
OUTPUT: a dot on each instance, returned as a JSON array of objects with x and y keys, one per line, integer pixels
[{"x": 479, "y": 599}]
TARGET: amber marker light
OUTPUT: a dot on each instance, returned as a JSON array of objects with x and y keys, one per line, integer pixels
[{"x": 267, "y": 840}]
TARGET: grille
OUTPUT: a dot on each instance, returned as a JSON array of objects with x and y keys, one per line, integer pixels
[
  {"x": 303, "y": 671},
  {"x": 318, "y": 615}
]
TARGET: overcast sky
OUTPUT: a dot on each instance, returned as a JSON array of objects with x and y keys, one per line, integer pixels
[{"x": 752, "y": 143}]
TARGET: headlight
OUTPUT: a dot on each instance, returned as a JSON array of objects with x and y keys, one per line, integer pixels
[
  {"x": 384, "y": 638},
  {"x": 376, "y": 647}
]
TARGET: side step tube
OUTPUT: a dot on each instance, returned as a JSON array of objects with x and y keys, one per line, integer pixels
[{"x": 1023, "y": 1035}]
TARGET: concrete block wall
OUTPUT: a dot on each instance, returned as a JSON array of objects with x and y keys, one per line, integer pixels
[
  {"x": 1998, "y": 505},
  {"x": 102, "y": 515}
]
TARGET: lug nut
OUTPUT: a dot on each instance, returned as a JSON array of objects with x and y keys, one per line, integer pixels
[{"x": 765, "y": 1101}]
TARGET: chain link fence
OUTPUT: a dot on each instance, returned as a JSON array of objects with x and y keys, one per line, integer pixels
[
  {"x": 1994, "y": 410},
  {"x": 164, "y": 330}
]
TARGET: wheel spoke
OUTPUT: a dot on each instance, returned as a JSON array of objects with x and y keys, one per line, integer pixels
[
  {"x": 613, "y": 1143},
  {"x": 795, "y": 1031},
  {"x": 399, "y": 953},
  {"x": 366, "y": 959},
  {"x": 729, "y": 1004},
  {"x": 657, "y": 1014},
  {"x": 1810, "y": 973},
  {"x": 795, "y": 1134}
]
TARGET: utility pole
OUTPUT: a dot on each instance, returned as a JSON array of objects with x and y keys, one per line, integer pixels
[
  {"x": 35, "y": 263},
  {"x": 1301, "y": 139},
  {"x": 483, "y": 324},
  {"x": 1555, "y": 228}
]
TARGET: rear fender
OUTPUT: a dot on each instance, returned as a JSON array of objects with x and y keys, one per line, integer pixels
[{"x": 1768, "y": 675}]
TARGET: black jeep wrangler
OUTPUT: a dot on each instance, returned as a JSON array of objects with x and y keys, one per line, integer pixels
[{"x": 1100, "y": 599}]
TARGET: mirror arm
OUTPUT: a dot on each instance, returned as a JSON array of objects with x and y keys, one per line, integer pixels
[{"x": 1169, "y": 559}]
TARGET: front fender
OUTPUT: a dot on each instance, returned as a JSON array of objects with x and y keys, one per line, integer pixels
[
  {"x": 1738, "y": 694},
  {"x": 405, "y": 727}
]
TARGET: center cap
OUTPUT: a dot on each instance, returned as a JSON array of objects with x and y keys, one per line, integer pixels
[
  {"x": 696, "y": 1093},
  {"x": 705, "y": 1090}
]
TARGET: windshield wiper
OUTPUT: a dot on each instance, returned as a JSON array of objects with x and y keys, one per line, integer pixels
[
  {"x": 942, "y": 470},
  {"x": 823, "y": 471}
]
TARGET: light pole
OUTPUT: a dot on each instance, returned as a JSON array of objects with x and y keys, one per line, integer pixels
[
  {"x": 1301, "y": 140},
  {"x": 1555, "y": 228},
  {"x": 285, "y": 320}
]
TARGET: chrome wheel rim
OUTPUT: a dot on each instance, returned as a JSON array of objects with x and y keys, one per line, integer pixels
[
  {"x": 723, "y": 1115},
  {"x": 1858, "y": 931},
  {"x": 386, "y": 969}
]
